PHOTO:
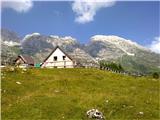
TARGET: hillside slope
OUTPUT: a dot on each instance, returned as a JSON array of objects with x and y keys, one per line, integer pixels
[{"x": 58, "y": 94}]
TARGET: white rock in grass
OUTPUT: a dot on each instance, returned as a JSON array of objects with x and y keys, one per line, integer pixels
[
  {"x": 18, "y": 83},
  {"x": 94, "y": 113},
  {"x": 141, "y": 113},
  {"x": 107, "y": 101}
]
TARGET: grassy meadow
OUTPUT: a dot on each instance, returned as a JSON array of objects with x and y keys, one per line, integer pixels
[{"x": 66, "y": 94}]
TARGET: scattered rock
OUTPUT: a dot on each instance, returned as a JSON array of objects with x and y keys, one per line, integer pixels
[
  {"x": 94, "y": 113},
  {"x": 56, "y": 91},
  {"x": 18, "y": 83},
  {"x": 107, "y": 101},
  {"x": 141, "y": 113}
]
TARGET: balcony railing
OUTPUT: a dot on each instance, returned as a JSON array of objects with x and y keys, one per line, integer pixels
[{"x": 59, "y": 64}]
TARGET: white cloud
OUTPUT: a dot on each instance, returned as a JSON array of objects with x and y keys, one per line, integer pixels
[
  {"x": 86, "y": 9},
  {"x": 18, "y": 5},
  {"x": 155, "y": 45}
]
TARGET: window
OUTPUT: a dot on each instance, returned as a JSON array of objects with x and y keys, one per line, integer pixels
[
  {"x": 64, "y": 57},
  {"x": 55, "y": 58}
]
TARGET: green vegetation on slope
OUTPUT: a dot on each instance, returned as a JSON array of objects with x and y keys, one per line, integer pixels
[
  {"x": 139, "y": 64},
  {"x": 66, "y": 94},
  {"x": 110, "y": 65}
]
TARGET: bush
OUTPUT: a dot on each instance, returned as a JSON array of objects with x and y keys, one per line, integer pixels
[
  {"x": 111, "y": 65},
  {"x": 155, "y": 75}
]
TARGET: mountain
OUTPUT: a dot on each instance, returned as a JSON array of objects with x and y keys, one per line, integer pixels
[
  {"x": 39, "y": 46},
  {"x": 112, "y": 47},
  {"x": 8, "y": 35},
  {"x": 132, "y": 56},
  {"x": 10, "y": 46}
]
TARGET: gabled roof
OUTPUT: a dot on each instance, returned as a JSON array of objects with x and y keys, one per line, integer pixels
[
  {"x": 54, "y": 51},
  {"x": 26, "y": 59}
]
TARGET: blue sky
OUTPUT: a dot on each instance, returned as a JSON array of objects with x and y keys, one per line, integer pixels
[{"x": 138, "y": 21}]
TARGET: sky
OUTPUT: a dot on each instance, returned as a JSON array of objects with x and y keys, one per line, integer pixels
[{"x": 135, "y": 20}]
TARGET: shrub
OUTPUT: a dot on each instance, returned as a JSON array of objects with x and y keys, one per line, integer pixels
[
  {"x": 155, "y": 75},
  {"x": 111, "y": 65}
]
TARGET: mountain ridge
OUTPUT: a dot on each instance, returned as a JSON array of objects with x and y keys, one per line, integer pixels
[{"x": 100, "y": 47}]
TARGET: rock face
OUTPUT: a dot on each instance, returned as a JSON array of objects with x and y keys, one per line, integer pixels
[
  {"x": 130, "y": 55},
  {"x": 8, "y": 35},
  {"x": 35, "y": 43},
  {"x": 10, "y": 46},
  {"x": 82, "y": 58},
  {"x": 112, "y": 47}
]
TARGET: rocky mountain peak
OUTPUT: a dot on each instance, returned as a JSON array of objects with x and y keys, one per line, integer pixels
[
  {"x": 118, "y": 41},
  {"x": 9, "y": 36},
  {"x": 112, "y": 39},
  {"x": 28, "y": 36}
]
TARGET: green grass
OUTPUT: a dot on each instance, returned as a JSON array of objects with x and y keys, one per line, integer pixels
[{"x": 66, "y": 94}]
